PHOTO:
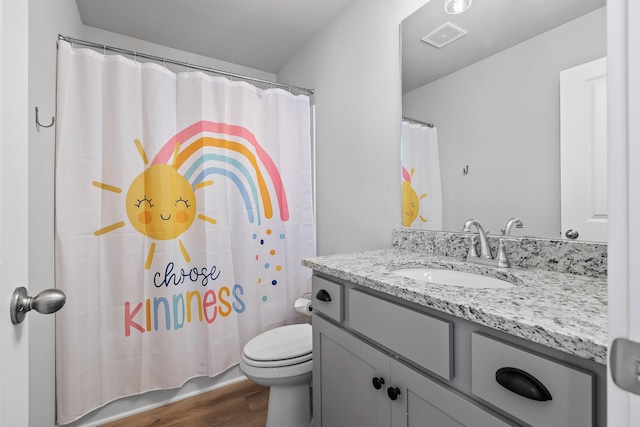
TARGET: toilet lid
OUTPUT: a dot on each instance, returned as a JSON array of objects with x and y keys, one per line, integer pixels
[{"x": 285, "y": 342}]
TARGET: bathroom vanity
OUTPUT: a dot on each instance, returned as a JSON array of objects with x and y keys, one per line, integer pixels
[{"x": 394, "y": 351}]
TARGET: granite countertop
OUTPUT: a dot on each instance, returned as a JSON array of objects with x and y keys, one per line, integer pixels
[{"x": 567, "y": 312}]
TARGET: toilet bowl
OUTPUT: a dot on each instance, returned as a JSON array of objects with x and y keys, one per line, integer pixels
[{"x": 281, "y": 359}]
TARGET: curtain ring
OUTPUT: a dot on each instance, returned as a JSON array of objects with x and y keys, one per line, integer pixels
[{"x": 39, "y": 125}]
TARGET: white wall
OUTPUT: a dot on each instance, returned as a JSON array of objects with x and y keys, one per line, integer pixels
[
  {"x": 354, "y": 67},
  {"x": 501, "y": 116},
  {"x": 47, "y": 19}
]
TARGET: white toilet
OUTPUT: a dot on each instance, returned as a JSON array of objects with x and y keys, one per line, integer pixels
[{"x": 281, "y": 359}]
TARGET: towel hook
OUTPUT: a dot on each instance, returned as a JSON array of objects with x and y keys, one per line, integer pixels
[
  {"x": 40, "y": 125},
  {"x": 465, "y": 170}
]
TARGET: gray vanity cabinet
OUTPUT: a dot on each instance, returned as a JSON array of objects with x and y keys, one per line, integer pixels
[
  {"x": 359, "y": 378},
  {"x": 356, "y": 384},
  {"x": 379, "y": 361}
]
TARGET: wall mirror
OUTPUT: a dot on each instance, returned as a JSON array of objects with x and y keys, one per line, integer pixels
[{"x": 494, "y": 97}]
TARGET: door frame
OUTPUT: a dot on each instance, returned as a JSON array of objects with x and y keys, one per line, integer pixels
[
  {"x": 623, "y": 53},
  {"x": 14, "y": 116}
]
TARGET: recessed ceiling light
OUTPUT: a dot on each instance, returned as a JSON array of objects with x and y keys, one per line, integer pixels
[{"x": 456, "y": 6}]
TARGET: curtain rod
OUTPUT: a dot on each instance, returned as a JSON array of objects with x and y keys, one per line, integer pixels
[
  {"x": 181, "y": 63},
  {"x": 418, "y": 122}
]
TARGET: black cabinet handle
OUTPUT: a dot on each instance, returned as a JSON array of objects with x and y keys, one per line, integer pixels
[
  {"x": 377, "y": 382},
  {"x": 393, "y": 392},
  {"x": 522, "y": 383},
  {"x": 323, "y": 295}
]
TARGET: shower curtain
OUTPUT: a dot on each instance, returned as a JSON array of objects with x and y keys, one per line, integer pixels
[
  {"x": 183, "y": 208},
  {"x": 420, "y": 177}
]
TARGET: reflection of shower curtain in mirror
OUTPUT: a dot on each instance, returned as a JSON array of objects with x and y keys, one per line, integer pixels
[{"x": 420, "y": 176}]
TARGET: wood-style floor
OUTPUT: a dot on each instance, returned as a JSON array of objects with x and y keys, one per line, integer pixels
[{"x": 243, "y": 404}]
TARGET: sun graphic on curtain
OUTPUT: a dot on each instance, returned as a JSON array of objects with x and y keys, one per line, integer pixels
[{"x": 161, "y": 202}]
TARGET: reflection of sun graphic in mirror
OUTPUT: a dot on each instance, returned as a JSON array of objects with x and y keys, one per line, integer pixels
[
  {"x": 160, "y": 204},
  {"x": 410, "y": 200}
]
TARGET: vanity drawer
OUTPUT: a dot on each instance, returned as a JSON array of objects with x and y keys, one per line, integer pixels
[
  {"x": 327, "y": 298},
  {"x": 571, "y": 390},
  {"x": 422, "y": 339}
]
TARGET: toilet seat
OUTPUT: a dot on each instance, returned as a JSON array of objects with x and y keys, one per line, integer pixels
[{"x": 282, "y": 346}]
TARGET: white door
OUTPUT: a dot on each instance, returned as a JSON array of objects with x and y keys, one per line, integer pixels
[
  {"x": 583, "y": 151},
  {"x": 14, "y": 363},
  {"x": 623, "y": 52}
]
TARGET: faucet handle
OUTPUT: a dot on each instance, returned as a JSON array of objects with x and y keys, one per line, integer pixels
[
  {"x": 473, "y": 253},
  {"x": 501, "y": 256}
]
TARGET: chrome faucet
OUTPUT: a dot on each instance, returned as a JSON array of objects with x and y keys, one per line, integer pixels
[
  {"x": 485, "y": 250},
  {"x": 485, "y": 257},
  {"x": 513, "y": 221}
]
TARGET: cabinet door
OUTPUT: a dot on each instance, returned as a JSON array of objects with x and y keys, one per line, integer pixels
[
  {"x": 343, "y": 371},
  {"x": 424, "y": 402}
]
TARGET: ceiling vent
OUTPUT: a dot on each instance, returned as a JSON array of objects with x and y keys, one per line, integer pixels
[{"x": 443, "y": 35}]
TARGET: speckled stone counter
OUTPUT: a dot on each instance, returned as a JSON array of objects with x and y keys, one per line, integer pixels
[
  {"x": 562, "y": 256},
  {"x": 567, "y": 312}
]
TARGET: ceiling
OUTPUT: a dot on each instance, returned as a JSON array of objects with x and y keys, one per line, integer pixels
[
  {"x": 265, "y": 35},
  {"x": 491, "y": 25},
  {"x": 259, "y": 34}
]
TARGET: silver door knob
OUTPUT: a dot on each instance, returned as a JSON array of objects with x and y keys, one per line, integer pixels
[
  {"x": 48, "y": 301},
  {"x": 571, "y": 234}
]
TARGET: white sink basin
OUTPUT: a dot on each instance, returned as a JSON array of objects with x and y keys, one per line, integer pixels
[{"x": 452, "y": 278}]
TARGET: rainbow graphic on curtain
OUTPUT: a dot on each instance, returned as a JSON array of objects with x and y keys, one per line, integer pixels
[
  {"x": 161, "y": 202},
  {"x": 220, "y": 135}
]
